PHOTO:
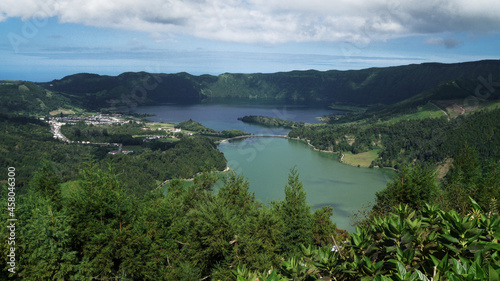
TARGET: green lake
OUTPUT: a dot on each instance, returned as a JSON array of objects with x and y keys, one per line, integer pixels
[{"x": 266, "y": 162}]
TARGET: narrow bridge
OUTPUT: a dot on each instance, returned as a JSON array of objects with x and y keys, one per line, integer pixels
[{"x": 255, "y": 136}]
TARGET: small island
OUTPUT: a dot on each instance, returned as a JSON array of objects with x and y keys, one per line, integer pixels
[{"x": 271, "y": 121}]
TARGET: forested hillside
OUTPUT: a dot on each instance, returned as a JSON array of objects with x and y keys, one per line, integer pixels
[
  {"x": 361, "y": 87},
  {"x": 27, "y": 98},
  {"x": 429, "y": 140}
]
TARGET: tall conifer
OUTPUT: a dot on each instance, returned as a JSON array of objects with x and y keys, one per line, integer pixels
[{"x": 296, "y": 216}]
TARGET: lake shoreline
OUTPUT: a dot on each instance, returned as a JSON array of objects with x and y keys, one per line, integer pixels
[{"x": 339, "y": 154}]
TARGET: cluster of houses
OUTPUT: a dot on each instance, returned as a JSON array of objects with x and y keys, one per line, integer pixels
[
  {"x": 100, "y": 119},
  {"x": 171, "y": 130},
  {"x": 56, "y": 130},
  {"x": 155, "y": 137}
]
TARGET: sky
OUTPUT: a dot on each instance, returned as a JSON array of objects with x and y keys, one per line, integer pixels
[{"x": 42, "y": 40}]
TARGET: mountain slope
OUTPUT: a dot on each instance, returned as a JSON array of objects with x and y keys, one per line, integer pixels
[
  {"x": 446, "y": 97},
  {"x": 361, "y": 87},
  {"x": 22, "y": 97}
]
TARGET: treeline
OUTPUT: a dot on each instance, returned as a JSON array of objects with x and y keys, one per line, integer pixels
[
  {"x": 270, "y": 121},
  {"x": 405, "y": 141},
  {"x": 122, "y": 133},
  {"x": 98, "y": 231},
  {"x": 468, "y": 177}
]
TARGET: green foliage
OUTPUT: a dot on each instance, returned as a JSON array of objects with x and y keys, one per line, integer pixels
[
  {"x": 114, "y": 225},
  {"x": 468, "y": 177},
  {"x": 422, "y": 105},
  {"x": 431, "y": 245},
  {"x": 413, "y": 186},
  {"x": 45, "y": 241},
  {"x": 426, "y": 140},
  {"x": 27, "y": 142},
  {"x": 323, "y": 229},
  {"x": 100, "y": 230},
  {"x": 296, "y": 216},
  {"x": 194, "y": 126},
  {"x": 270, "y": 121},
  {"x": 27, "y": 98},
  {"x": 47, "y": 183}
]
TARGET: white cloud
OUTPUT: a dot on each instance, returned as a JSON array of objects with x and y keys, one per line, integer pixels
[{"x": 272, "y": 21}]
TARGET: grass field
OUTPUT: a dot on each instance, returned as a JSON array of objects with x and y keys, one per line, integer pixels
[
  {"x": 63, "y": 111},
  {"x": 363, "y": 159},
  {"x": 426, "y": 111},
  {"x": 156, "y": 126}
]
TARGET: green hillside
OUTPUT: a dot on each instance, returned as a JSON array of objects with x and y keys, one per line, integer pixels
[
  {"x": 27, "y": 98},
  {"x": 448, "y": 99},
  {"x": 357, "y": 87},
  {"x": 129, "y": 89}
]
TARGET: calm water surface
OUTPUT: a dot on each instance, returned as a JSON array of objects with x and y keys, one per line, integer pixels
[
  {"x": 266, "y": 162},
  {"x": 225, "y": 116}
]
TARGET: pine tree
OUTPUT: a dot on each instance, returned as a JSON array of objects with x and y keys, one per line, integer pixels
[
  {"x": 47, "y": 183},
  {"x": 413, "y": 185},
  {"x": 323, "y": 227},
  {"x": 46, "y": 242},
  {"x": 463, "y": 179},
  {"x": 101, "y": 216},
  {"x": 296, "y": 216}
]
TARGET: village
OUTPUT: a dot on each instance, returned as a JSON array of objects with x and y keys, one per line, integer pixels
[
  {"x": 103, "y": 119},
  {"x": 99, "y": 119}
]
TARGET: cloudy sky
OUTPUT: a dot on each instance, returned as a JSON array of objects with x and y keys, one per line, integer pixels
[{"x": 41, "y": 40}]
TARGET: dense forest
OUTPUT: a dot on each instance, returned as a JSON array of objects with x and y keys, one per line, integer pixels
[
  {"x": 98, "y": 231},
  {"x": 27, "y": 98},
  {"x": 430, "y": 140}
]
